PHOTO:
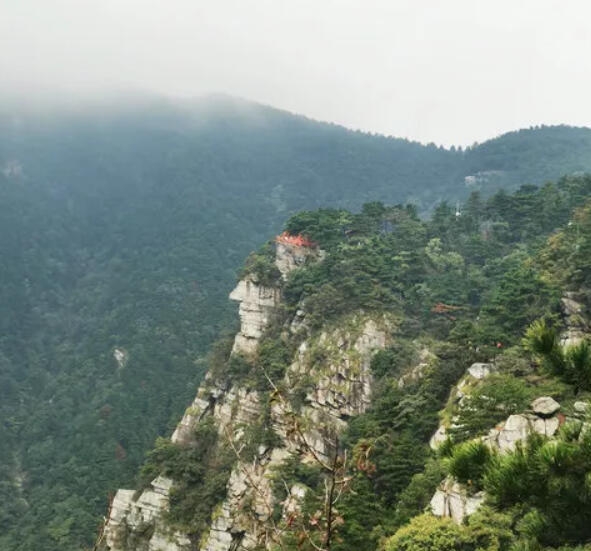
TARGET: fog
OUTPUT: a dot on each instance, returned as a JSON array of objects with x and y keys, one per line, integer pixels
[{"x": 451, "y": 72}]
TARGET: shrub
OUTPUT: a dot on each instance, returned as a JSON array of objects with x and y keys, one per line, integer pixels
[
  {"x": 200, "y": 472},
  {"x": 578, "y": 365},
  {"x": 392, "y": 361},
  {"x": 417, "y": 495},
  {"x": 262, "y": 266},
  {"x": 546, "y": 482},
  {"x": 429, "y": 533},
  {"x": 468, "y": 462},
  {"x": 492, "y": 401},
  {"x": 572, "y": 363}
]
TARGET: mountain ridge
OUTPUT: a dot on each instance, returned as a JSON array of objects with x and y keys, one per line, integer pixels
[
  {"x": 123, "y": 232},
  {"x": 387, "y": 366}
]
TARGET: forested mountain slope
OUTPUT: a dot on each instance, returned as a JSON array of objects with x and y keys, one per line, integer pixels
[
  {"x": 120, "y": 234},
  {"x": 396, "y": 383}
]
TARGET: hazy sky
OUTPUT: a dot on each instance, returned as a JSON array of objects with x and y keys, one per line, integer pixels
[{"x": 448, "y": 71}]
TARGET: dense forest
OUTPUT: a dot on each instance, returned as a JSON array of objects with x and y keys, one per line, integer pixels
[
  {"x": 479, "y": 286},
  {"x": 482, "y": 284},
  {"x": 121, "y": 233}
]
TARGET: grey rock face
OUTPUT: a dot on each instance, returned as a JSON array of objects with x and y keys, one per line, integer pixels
[
  {"x": 418, "y": 371},
  {"x": 517, "y": 428},
  {"x": 338, "y": 362},
  {"x": 289, "y": 257},
  {"x": 257, "y": 303},
  {"x": 129, "y": 516},
  {"x": 480, "y": 370},
  {"x": 477, "y": 371},
  {"x": 453, "y": 500},
  {"x": 438, "y": 438}
]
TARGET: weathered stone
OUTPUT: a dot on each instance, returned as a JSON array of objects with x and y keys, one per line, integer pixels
[
  {"x": 288, "y": 257},
  {"x": 581, "y": 407},
  {"x": 299, "y": 321},
  {"x": 517, "y": 428},
  {"x": 545, "y": 406},
  {"x": 574, "y": 320},
  {"x": 339, "y": 363},
  {"x": 572, "y": 336},
  {"x": 128, "y": 515},
  {"x": 438, "y": 438},
  {"x": 257, "y": 303},
  {"x": 452, "y": 500},
  {"x": 480, "y": 370},
  {"x": 185, "y": 430}
]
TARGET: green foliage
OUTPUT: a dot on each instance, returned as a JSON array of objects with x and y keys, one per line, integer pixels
[
  {"x": 499, "y": 396},
  {"x": 274, "y": 357},
  {"x": 540, "y": 338},
  {"x": 393, "y": 435},
  {"x": 547, "y": 485},
  {"x": 522, "y": 293},
  {"x": 574, "y": 244},
  {"x": 429, "y": 533},
  {"x": 392, "y": 361},
  {"x": 261, "y": 265},
  {"x": 123, "y": 229},
  {"x": 468, "y": 463},
  {"x": 578, "y": 365},
  {"x": 571, "y": 363},
  {"x": 486, "y": 530},
  {"x": 325, "y": 226},
  {"x": 200, "y": 472},
  {"x": 414, "y": 499}
]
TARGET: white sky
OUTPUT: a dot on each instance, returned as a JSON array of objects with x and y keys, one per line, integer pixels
[{"x": 448, "y": 71}]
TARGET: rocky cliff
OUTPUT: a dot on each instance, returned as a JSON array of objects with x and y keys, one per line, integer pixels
[{"x": 330, "y": 370}]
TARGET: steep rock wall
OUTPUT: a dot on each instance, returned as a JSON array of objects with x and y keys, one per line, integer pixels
[{"x": 332, "y": 371}]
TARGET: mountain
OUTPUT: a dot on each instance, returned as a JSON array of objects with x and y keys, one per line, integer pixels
[
  {"x": 395, "y": 383},
  {"x": 122, "y": 227}
]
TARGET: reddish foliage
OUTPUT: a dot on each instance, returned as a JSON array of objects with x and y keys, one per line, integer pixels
[
  {"x": 297, "y": 240},
  {"x": 441, "y": 308}
]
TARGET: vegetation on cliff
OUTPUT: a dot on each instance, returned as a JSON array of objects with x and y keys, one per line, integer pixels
[
  {"x": 121, "y": 234},
  {"x": 480, "y": 284}
]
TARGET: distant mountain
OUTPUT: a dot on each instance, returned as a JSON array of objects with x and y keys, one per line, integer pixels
[{"x": 121, "y": 228}]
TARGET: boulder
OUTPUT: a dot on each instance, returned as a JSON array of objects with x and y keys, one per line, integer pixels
[
  {"x": 454, "y": 501},
  {"x": 581, "y": 407},
  {"x": 545, "y": 406},
  {"x": 517, "y": 428},
  {"x": 480, "y": 370}
]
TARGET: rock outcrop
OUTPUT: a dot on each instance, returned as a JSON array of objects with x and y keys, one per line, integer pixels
[
  {"x": 573, "y": 314},
  {"x": 453, "y": 499},
  {"x": 131, "y": 515},
  {"x": 480, "y": 370},
  {"x": 330, "y": 370},
  {"x": 288, "y": 257},
  {"x": 517, "y": 428},
  {"x": 257, "y": 303},
  {"x": 476, "y": 372}
]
